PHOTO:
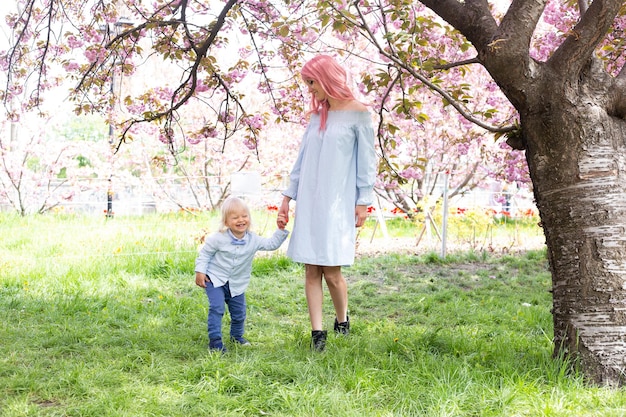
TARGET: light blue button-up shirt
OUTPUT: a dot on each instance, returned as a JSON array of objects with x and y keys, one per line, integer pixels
[{"x": 222, "y": 261}]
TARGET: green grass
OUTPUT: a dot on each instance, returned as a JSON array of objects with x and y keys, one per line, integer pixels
[{"x": 102, "y": 318}]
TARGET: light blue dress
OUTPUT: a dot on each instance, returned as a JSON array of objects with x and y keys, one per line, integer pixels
[{"x": 334, "y": 172}]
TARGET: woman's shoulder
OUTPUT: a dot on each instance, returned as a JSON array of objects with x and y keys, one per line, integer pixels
[
  {"x": 351, "y": 111},
  {"x": 356, "y": 105},
  {"x": 352, "y": 105}
]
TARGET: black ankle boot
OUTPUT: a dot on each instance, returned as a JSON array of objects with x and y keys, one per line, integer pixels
[
  {"x": 318, "y": 340},
  {"x": 342, "y": 328}
]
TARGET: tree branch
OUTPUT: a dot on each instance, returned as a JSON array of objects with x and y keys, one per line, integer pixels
[
  {"x": 381, "y": 119},
  {"x": 406, "y": 66},
  {"x": 583, "y": 39},
  {"x": 472, "y": 18},
  {"x": 187, "y": 87},
  {"x": 497, "y": 46},
  {"x": 583, "y": 5},
  {"x": 262, "y": 66},
  {"x": 215, "y": 29},
  {"x": 518, "y": 26},
  {"x": 456, "y": 64}
]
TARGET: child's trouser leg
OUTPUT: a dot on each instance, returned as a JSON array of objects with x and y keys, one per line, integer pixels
[
  {"x": 237, "y": 310},
  {"x": 216, "y": 310}
]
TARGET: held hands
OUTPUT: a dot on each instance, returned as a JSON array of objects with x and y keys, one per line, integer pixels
[
  {"x": 360, "y": 214},
  {"x": 201, "y": 279},
  {"x": 281, "y": 221},
  {"x": 283, "y": 214}
]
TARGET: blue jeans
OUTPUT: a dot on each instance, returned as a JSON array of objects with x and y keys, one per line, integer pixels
[{"x": 218, "y": 298}]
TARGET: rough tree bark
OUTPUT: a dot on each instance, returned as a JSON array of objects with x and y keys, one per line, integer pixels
[
  {"x": 573, "y": 130},
  {"x": 580, "y": 188}
]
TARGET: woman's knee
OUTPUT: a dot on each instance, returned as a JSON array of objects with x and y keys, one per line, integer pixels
[
  {"x": 335, "y": 279},
  {"x": 313, "y": 272}
]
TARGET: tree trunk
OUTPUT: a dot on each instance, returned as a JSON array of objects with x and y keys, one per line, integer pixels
[
  {"x": 577, "y": 158},
  {"x": 573, "y": 127}
]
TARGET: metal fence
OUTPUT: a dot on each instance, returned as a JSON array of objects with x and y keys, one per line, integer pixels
[{"x": 133, "y": 196}]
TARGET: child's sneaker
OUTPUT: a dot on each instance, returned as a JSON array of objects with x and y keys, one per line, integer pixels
[
  {"x": 217, "y": 345},
  {"x": 240, "y": 340}
]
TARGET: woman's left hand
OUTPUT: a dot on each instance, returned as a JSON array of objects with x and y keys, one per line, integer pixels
[{"x": 361, "y": 215}]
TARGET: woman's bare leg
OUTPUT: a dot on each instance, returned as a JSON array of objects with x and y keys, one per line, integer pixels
[
  {"x": 314, "y": 295},
  {"x": 338, "y": 291}
]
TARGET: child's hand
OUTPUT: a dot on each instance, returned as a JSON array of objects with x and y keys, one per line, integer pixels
[
  {"x": 281, "y": 221},
  {"x": 201, "y": 279}
]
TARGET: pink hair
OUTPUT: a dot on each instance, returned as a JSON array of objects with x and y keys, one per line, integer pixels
[{"x": 332, "y": 78}]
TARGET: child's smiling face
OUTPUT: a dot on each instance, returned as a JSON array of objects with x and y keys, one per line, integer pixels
[{"x": 238, "y": 221}]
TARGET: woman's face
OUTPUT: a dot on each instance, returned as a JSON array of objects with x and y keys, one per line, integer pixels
[{"x": 316, "y": 89}]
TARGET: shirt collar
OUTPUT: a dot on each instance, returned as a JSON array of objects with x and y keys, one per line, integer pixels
[{"x": 235, "y": 241}]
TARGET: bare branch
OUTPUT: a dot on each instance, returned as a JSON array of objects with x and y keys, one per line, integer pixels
[
  {"x": 457, "y": 64},
  {"x": 472, "y": 18},
  {"x": 518, "y": 26},
  {"x": 381, "y": 119},
  {"x": 583, "y": 5},
  {"x": 12, "y": 56}
]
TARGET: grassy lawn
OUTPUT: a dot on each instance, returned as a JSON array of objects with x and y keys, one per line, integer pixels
[{"x": 102, "y": 318}]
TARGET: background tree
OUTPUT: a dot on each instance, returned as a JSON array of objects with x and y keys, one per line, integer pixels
[
  {"x": 249, "y": 57},
  {"x": 39, "y": 168}
]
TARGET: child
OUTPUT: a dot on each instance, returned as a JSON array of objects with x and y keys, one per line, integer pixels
[{"x": 223, "y": 269}]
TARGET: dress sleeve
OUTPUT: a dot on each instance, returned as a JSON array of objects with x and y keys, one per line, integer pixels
[
  {"x": 366, "y": 162},
  {"x": 294, "y": 176}
]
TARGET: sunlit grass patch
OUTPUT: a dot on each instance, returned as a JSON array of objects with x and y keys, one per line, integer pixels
[{"x": 95, "y": 332}]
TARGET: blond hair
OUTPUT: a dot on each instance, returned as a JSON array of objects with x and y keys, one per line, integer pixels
[{"x": 228, "y": 206}]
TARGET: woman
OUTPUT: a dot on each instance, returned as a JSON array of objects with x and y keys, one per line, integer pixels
[{"x": 332, "y": 182}]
